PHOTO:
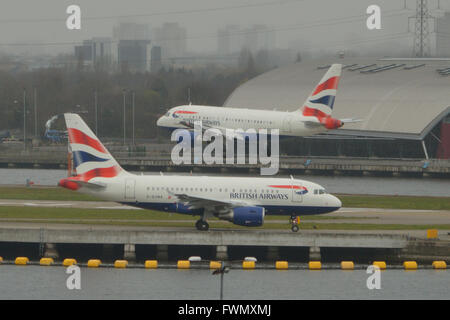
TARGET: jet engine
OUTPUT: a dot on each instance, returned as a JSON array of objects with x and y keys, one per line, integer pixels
[{"x": 245, "y": 216}]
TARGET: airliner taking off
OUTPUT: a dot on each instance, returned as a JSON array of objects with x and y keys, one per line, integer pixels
[
  {"x": 312, "y": 118},
  {"x": 240, "y": 200}
]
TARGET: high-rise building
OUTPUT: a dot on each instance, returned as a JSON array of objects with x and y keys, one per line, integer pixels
[
  {"x": 95, "y": 51},
  {"x": 133, "y": 55},
  {"x": 172, "y": 40},
  {"x": 84, "y": 53},
  {"x": 133, "y": 50},
  {"x": 155, "y": 59},
  {"x": 102, "y": 49}
]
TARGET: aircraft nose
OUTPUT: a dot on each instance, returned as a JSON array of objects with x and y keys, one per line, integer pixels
[
  {"x": 337, "y": 203},
  {"x": 159, "y": 122},
  {"x": 333, "y": 202}
]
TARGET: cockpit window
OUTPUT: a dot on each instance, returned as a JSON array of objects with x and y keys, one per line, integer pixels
[
  {"x": 320, "y": 191},
  {"x": 168, "y": 114}
]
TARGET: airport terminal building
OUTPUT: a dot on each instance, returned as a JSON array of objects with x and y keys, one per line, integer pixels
[{"x": 404, "y": 104}]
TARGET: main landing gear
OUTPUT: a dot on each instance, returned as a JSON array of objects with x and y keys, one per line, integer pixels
[
  {"x": 202, "y": 225},
  {"x": 295, "y": 222}
]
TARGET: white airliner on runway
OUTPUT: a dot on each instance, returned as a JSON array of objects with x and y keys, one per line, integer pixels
[
  {"x": 312, "y": 118},
  {"x": 243, "y": 201}
]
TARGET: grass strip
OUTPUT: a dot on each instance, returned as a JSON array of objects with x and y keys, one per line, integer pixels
[{"x": 270, "y": 226}]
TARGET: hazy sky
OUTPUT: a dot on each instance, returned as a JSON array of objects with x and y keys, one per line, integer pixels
[{"x": 315, "y": 22}]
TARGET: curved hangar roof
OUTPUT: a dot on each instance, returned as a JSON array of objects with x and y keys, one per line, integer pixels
[{"x": 396, "y": 98}]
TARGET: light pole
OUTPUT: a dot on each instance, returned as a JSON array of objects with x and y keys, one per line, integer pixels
[
  {"x": 222, "y": 270},
  {"x": 16, "y": 104},
  {"x": 124, "y": 123},
  {"x": 132, "y": 95},
  {"x": 24, "y": 120},
  {"x": 35, "y": 114},
  {"x": 96, "y": 113}
]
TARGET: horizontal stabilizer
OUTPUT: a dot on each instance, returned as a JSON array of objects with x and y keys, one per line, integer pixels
[
  {"x": 312, "y": 124},
  {"x": 351, "y": 120},
  {"x": 75, "y": 184}
]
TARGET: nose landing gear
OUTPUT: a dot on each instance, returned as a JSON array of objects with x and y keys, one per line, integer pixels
[{"x": 295, "y": 223}]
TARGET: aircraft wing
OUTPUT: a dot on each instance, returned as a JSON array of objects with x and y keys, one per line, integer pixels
[
  {"x": 196, "y": 202},
  {"x": 314, "y": 124}
]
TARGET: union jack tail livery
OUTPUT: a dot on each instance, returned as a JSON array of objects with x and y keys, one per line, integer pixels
[
  {"x": 321, "y": 100},
  {"x": 90, "y": 157}
]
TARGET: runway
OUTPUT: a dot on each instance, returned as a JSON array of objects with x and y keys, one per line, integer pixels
[
  {"x": 343, "y": 215},
  {"x": 104, "y": 226}
]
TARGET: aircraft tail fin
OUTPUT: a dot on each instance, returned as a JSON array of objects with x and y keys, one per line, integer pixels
[
  {"x": 91, "y": 158},
  {"x": 320, "y": 102}
]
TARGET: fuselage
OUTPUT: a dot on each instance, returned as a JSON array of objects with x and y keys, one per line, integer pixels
[
  {"x": 288, "y": 123},
  {"x": 240, "y": 200},
  {"x": 278, "y": 196}
]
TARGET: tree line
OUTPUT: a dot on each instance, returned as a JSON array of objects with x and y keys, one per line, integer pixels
[{"x": 60, "y": 90}]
